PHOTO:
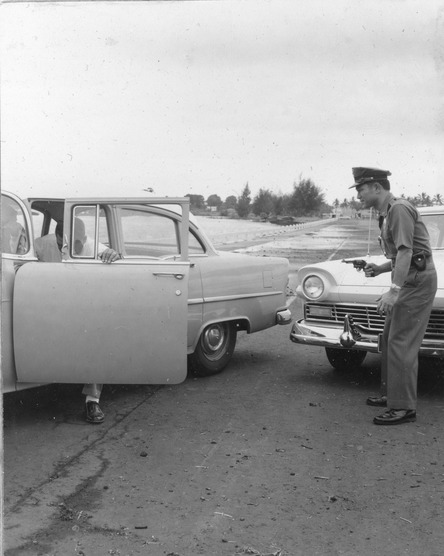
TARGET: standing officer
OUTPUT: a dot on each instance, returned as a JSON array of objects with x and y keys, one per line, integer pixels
[{"x": 408, "y": 303}]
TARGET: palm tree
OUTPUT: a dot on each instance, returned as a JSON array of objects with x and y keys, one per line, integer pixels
[
  {"x": 336, "y": 204},
  {"x": 423, "y": 200},
  {"x": 437, "y": 199}
]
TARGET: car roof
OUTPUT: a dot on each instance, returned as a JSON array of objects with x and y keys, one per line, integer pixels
[{"x": 55, "y": 206}]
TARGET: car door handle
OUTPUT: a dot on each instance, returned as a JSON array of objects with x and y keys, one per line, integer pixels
[{"x": 173, "y": 274}]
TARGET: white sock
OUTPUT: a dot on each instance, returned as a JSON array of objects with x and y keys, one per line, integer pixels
[{"x": 91, "y": 399}]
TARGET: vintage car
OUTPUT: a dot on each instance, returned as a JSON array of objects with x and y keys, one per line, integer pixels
[
  {"x": 170, "y": 300},
  {"x": 339, "y": 304}
]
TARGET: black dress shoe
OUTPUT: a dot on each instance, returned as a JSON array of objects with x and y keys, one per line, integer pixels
[
  {"x": 395, "y": 417},
  {"x": 380, "y": 401},
  {"x": 94, "y": 414}
]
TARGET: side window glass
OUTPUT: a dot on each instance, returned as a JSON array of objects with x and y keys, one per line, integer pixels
[
  {"x": 435, "y": 227},
  {"x": 52, "y": 226},
  {"x": 89, "y": 233},
  {"x": 194, "y": 245},
  {"x": 14, "y": 230},
  {"x": 37, "y": 223},
  {"x": 146, "y": 234},
  {"x": 38, "y": 219}
]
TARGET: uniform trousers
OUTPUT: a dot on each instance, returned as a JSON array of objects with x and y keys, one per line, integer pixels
[{"x": 403, "y": 333}]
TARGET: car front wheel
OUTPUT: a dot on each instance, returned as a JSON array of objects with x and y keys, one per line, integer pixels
[
  {"x": 214, "y": 349},
  {"x": 345, "y": 359}
]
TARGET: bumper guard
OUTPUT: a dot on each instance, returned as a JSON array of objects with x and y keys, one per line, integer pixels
[{"x": 351, "y": 336}]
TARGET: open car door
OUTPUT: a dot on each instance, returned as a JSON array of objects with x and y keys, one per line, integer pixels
[
  {"x": 83, "y": 321},
  {"x": 114, "y": 324}
]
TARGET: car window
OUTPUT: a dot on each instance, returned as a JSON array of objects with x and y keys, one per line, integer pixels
[
  {"x": 194, "y": 246},
  {"x": 39, "y": 225},
  {"x": 435, "y": 227},
  {"x": 14, "y": 230},
  {"x": 89, "y": 233},
  {"x": 147, "y": 234}
]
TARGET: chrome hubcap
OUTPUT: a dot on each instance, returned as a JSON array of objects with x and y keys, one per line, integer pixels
[{"x": 213, "y": 339}]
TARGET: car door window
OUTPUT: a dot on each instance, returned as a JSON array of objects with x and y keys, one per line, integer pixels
[
  {"x": 14, "y": 229},
  {"x": 147, "y": 234},
  {"x": 194, "y": 245},
  {"x": 89, "y": 232}
]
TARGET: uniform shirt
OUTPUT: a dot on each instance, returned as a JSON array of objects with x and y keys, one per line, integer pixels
[{"x": 402, "y": 227}]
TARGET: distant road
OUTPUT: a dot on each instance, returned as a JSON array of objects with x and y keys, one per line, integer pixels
[
  {"x": 225, "y": 233},
  {"x": 327, "y": 238}
]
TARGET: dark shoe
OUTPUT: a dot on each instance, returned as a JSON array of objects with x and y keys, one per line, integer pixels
[
  {"x": 94, "y": 414},
  {"x": 380, "y": 401},
  {"x": 395, "y": 417}
]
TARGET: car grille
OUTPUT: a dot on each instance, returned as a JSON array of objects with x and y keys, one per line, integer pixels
[{"x": 367, "y": 317}]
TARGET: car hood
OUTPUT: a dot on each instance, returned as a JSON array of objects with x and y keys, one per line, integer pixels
[
  {"x": 344, "y": 283},
  {"x": 347, "y": 275}
]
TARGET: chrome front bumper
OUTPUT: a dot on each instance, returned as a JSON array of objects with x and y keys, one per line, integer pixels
[{"x": 350, "y": 336}]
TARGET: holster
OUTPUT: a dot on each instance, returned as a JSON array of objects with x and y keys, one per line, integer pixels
[{"x": 419, "y": 260}]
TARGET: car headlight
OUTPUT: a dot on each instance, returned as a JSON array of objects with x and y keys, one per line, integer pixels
[{"x": 313, "y": 287}]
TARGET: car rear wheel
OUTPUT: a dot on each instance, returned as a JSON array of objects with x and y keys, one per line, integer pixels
[
  {"x": 345, "y": 359},
  {"x": 214, "y": 349}
]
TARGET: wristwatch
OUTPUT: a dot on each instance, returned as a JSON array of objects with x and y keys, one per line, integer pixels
[{"x": 395, "y": 288}]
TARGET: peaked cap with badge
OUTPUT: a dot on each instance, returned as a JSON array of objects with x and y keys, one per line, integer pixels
[{"x": 368, "y": 175}]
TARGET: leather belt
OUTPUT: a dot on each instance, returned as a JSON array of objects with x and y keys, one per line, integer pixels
[{"x": 428, "y": 259}]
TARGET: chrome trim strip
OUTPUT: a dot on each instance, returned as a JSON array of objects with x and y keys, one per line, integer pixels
[
  {"x": 242, "y": 296},
  {"x": 196, "y": 301}
]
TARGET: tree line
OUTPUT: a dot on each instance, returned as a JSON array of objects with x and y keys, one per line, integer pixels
[
  {"x": 306, "y": 199},
  {"x": 420, "y": 200}
]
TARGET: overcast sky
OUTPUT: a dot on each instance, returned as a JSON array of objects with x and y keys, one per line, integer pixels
[{"x": 108, "y": 98}]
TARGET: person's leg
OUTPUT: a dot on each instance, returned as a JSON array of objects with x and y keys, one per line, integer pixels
[
  {"x": 410, "y": 317},
  {"x": 92, "y": 391},
  {"x": 93, "y": 412},
  {"x": 409, "y": 322}
]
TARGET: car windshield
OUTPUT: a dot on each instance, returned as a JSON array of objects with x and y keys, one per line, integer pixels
[{"x": 435, "y": 226}]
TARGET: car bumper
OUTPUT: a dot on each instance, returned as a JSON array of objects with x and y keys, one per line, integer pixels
[
  {"x": 283, "y": 317},
  {"x": 304, "y": 332}
]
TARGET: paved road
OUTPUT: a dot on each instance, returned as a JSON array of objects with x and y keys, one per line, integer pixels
[{"x": 276, "y": 455}]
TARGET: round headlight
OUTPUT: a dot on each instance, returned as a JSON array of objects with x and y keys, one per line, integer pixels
[{"x": 313, "y": 287}]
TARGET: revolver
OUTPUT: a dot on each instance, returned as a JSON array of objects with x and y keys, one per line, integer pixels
[{"x": 359, "y": 264}]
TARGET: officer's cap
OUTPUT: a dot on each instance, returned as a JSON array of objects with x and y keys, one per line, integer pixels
[{"x": 368, "y": 175}]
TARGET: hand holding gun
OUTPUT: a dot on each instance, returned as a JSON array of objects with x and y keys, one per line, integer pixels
[{"x": 359, "y": 264}]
